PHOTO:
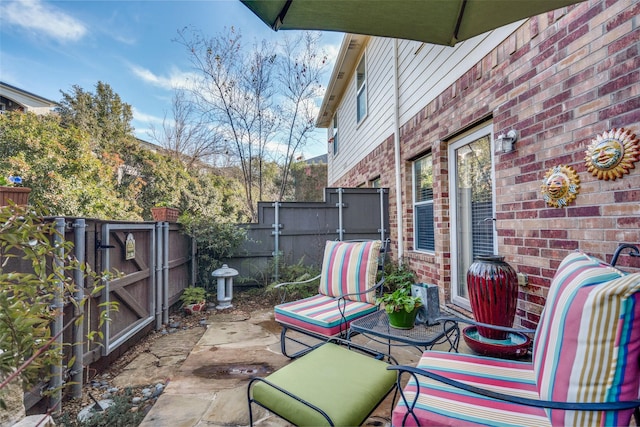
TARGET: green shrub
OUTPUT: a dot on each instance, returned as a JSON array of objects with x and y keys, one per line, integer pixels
[
  {"x": 30, "y": 301},
  {"x": 215, "y": 241}
]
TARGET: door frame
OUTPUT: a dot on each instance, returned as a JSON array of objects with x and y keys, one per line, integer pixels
[{"x": 460, "y": 141}]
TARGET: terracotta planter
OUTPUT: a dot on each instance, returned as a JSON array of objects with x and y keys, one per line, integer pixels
[
  {"x": 195, "y": 308},
  {"x": 165, "y": 214},
  {"x": 493, "y": 294},
  {"x": 19, "y": 195},
  {"x": 403, "y": 319}
]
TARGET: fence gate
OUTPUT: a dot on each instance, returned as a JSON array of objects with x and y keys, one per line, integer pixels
[{"x": 131, "y": 249}]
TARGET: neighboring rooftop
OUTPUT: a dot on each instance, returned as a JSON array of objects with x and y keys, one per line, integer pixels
[{"x": 13, "y": 98}]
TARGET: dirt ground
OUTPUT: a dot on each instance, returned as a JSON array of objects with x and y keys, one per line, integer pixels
[{"x": 98, "y": 388}]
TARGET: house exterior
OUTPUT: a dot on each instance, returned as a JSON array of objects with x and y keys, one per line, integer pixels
[
  {"x": 426, "y": 120},
  {"x": 15, "y": 99}
]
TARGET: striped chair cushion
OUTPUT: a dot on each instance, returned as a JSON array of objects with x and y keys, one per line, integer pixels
[
  {"x": 321, "y": 314},
  {"x": 350, "y": 267},
  {"x": 442, "y": 405},
  {"x": 587, "y": 345}
]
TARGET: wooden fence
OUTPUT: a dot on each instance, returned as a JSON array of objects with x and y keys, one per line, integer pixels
[{"x": 156, "y": 262}]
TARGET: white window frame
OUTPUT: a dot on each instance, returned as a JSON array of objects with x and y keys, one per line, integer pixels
[
  {"x": 334, "y": 133},
  {"x": 361, "y": 90},
  {"x": 417, "y": 204}
]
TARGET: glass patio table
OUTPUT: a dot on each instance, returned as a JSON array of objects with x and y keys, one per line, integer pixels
[{"x": 423, "y": 337}]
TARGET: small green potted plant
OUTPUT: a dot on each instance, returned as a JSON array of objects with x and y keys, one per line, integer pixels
[
  {"x": 401, "y": 307},
  {"x": 194, "y": 299}
]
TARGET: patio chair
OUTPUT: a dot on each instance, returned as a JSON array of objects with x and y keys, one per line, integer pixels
[
  {"x": 347, "y": 291},
  {"x": 584, "y": 369}
]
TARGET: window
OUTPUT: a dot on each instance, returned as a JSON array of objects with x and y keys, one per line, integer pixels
[
  {"x": 334, "y": 134},
  {"x": 375, "y": 183},
  {"x": 424, "y": 234},
  {"x": 361, "y": 88}
]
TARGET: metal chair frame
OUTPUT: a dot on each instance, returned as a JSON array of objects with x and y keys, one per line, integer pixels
[
  {"x": 342, "y": 301},
  {"x": 352, "y": 346},
  {"x": 634, "y": 251}
]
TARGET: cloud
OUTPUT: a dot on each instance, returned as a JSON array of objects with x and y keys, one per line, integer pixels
[
  {"x": 42, "y": 19},
  {"x": 175, "y": 79},
  {"x": 146, "y": 118}
]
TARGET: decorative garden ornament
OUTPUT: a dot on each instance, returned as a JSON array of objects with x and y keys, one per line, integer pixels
[
  {"x": 560, "y": 186},
  {"x": 612, "y": 154}
]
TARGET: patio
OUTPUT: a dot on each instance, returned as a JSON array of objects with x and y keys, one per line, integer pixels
[{"x": 210, "y": 386}]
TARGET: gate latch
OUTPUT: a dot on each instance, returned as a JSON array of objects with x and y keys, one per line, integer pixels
[{"x": 100, "y": 246}]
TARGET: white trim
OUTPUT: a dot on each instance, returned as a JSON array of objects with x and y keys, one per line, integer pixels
[
  {"x": 467, "y": 138},
  {"x": 363, "y": 88}
]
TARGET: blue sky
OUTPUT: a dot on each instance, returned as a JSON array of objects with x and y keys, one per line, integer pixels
[{"x": 49, "y": 46}]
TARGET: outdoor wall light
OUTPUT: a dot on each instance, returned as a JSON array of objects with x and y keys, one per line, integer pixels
[{"x": 506, "y": 142}]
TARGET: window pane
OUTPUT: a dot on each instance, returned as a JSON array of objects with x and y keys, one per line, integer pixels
[
  {"x": 423, "y": 204},
  {"x": 361, "y": 88},
  {"x": 425, "y": 238},
  {"x": 335, "y": 134},
  {"x": 360, "y": 74},
  {"x": 423, "y": 172},
  {"x": 362, "y": 104},
  {"x": 474, "y": 201}
]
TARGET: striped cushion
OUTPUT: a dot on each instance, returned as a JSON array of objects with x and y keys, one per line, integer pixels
[
  {"x": 588, "y": 340},
  {"x": 350, "y": 267},
  {"x": 321, "y": 314},
  {"x": 442, "y": 405}
]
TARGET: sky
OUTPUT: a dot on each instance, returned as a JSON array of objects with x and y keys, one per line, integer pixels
[{"x": 49, "y": 46}]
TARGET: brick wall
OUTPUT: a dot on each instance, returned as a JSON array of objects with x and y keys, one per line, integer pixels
[{"x": 561, "y": 79}]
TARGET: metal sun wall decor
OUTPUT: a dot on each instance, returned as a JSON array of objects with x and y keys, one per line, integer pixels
[
  {"x": 560, "y": 186},
  {"x": 612, "y": 154}
]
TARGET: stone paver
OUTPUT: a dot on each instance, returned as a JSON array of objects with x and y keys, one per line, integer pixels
[{"x": 209, "y": 387}]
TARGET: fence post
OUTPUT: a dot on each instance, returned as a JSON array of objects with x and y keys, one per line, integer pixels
[
  {"x": 165, "y": 273},
  {"x": 77, "y": 370},
  {"x": 157, "y": 247},
  {"x": 276, "y": 241},
  {"x": 340, "y": 206},
  {"x": 55, "y": 383},
  {"x": 381, "y": 230}
]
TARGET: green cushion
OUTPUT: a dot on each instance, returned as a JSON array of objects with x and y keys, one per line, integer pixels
[{"x": 345, "y": 384}]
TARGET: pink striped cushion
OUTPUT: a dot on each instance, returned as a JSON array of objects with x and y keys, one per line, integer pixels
[
  {"x": 588, "y": 341},
  {"x": 442, "y": 405},
  {"x": 320, "y": 314},
  {"x": 350, "y": 267}
]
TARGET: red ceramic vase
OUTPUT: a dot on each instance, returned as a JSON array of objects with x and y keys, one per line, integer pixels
[{"x": 493, "y": 294}]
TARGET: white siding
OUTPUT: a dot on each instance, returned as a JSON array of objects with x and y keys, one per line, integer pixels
[
  {"x": 357, "y": 140},
  {"x": 426, "y": 74},
  {"x": 423, "y": 74}
]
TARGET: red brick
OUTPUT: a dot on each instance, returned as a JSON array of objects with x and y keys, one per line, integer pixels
[
  {"x": 627, "y": 196},
  {"x": 584, "y": 211}
]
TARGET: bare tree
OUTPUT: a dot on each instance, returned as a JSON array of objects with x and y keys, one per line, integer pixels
[
  {"x": 187, "y": 135},
  {"x": 257, "y": 98},
  {"x": 234, "y": 93},
  {"x": 300, "y": 69}
]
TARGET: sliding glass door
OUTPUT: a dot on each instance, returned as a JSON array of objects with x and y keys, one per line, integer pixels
[{"x": 471, "y": 205}]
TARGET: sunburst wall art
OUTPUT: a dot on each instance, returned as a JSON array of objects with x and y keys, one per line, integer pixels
[
  {"x": 612, "y": 154},
  {"x": 560, "y": 186}
]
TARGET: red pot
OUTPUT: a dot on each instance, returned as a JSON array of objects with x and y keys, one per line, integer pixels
[{"x": 493, "y": 294}]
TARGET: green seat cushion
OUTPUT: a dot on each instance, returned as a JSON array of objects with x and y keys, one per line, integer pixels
[{"x": 345, "y": 384}]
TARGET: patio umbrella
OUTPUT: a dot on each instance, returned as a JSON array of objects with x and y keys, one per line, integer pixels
[{"x": 444, "y": 22}]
